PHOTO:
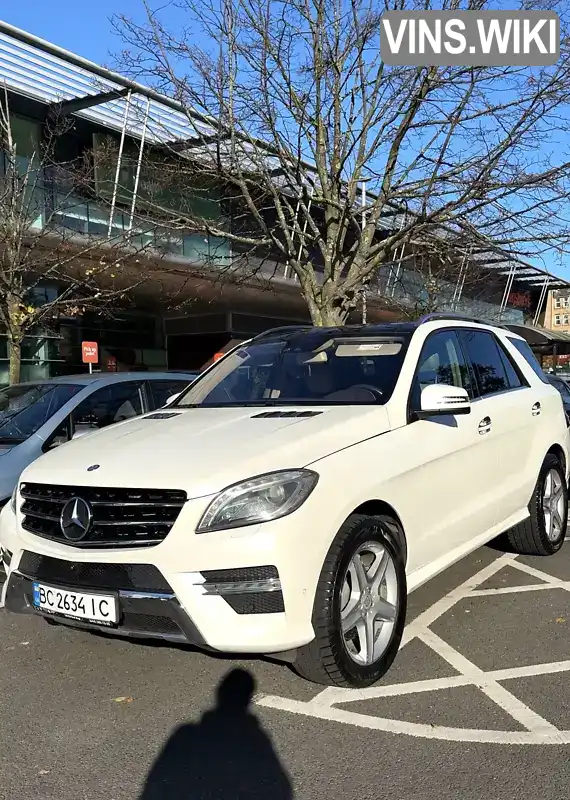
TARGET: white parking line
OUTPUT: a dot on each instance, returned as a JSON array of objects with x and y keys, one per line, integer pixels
[
  {"x": 498, "y": 694},
  {"x": 437, "y": 610},
  {"x": 538, "y": 730},
  {"x": 531, "y": 587},
  {"x": 414, "y": 728},
  {"x": 536, "y": 573}
]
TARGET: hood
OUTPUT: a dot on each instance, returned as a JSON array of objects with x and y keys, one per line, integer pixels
[{"x": 203, "y": 450}]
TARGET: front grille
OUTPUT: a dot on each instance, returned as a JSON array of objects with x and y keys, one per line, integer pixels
[
  {"x": 121, "y": 517},
  {"x": 140, "y": 577}
]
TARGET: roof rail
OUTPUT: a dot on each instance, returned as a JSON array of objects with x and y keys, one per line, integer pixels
[
  {"x": 282, "y": 329},
  {"x": 460, "y": 317}
]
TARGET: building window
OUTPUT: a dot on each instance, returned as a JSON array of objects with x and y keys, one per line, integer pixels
[
  {"x": 565, "y": 319},
  {"x": 558, "y": 302},
  {"x": 557, "y": 319}
]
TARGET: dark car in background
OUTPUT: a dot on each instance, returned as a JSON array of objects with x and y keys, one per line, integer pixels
[{"x": 39, "y": 415}]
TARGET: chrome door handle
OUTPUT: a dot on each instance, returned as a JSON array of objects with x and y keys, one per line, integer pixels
[
  {"x": 485, "y": 425},
  {"x": 536, "y": 409}
]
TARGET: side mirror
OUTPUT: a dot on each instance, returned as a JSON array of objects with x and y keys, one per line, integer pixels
[
  {"x": 439, "y": 399},
  {"x": 172, "y": 398}
]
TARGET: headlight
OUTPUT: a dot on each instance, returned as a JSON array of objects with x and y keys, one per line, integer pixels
[
  {"x": 259, "y": 499},
  {"x": 13, "y": 498}
]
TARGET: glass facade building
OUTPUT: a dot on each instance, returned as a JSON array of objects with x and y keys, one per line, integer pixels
[{"x": 38, "y": 77}]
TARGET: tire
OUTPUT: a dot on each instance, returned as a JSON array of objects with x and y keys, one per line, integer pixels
[
  {"x": 542, "y": 534},
  {"x": 339, "y": 658}
]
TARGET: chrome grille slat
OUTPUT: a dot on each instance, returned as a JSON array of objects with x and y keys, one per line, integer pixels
[
  {"x": 163, "y": 505},
  {"x": 134, "y": 522},
  {"x": 121, "y": 517}
]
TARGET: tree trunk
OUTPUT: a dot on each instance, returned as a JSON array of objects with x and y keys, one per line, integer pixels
[
  {"x": 15, "y": 357},
  {"x": 324, "y": 314}
]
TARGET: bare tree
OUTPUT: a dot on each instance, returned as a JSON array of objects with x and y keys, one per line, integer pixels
[
  {"x": 38, "y": 245},
  {"x": 293, "y": 112}
]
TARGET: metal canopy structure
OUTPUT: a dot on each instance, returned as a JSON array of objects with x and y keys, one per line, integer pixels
[
  {"x": 57, "y": 78},
  {"x": 51, "y": 75},
  {"x": 542, "y": 340}
]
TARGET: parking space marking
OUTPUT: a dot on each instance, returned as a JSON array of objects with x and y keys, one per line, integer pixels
[
  {"x": 538, "y": 730},
  {"x": 417, "y": 729},
  {"x": 537, "y": 573},
  {"x": 494, "y": 691},
  {"x": 530, "y": 587},
  {"x": 438, "y": 609}
]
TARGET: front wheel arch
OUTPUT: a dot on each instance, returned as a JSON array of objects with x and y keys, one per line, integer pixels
[
  {"x": 325, "y": 659},
  {"x": 557, "y": 451},
  {"x": 389, "y": 516}
]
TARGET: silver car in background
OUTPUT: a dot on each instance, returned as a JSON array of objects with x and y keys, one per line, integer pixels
[{"x": 40, "y": 415}]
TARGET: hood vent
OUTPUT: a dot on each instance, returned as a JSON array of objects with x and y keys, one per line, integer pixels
[
  {"x": 282, "y": 414},
  {"x": 163, "y": 415}
]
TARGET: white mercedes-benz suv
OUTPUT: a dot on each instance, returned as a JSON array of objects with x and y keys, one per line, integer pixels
[{"x": 288, "y": 501}]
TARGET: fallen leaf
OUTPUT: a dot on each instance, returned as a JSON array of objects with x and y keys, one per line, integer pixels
[
  {"x": 43, "y": 772},
  {"x": 123, "y": 699},
  {"x": 560, "y": 619},
  {"x": 24, "y": 643}
]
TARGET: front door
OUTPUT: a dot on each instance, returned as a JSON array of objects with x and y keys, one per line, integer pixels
[{"x": 453, "y": 460}]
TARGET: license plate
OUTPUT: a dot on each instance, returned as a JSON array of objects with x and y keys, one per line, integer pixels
[{"x": 98, "y": 608}]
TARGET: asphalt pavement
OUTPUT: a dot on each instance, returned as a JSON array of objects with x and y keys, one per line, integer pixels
[{"x": 477, "y": 705}]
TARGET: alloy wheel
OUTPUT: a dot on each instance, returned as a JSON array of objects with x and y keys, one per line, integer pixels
[
  {"x": 368, "y": 603},
  {"x": 553, "y": 505}
]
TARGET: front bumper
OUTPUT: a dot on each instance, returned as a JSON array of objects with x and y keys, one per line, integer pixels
[
  {"x": 143, "y": 615},
  {"x": 246, "y": 590}
]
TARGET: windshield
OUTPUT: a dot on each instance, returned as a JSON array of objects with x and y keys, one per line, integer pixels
[
  {"x": 310, "y": 368},
  {"x": 24, "y": 408}
]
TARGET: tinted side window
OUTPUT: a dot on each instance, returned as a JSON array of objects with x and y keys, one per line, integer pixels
[
  {"x": 483, "y": 352},
  {"x": 525, "y": 351},
  {"x": 513, "y": 376},
  {"x": 441, "y": 361},
  {"x": 160, "y": 391},
  {"x": 111, "y": 404}
]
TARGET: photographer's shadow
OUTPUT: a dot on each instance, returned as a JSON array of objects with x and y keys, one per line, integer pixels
[{"x": 225, "y": 755}]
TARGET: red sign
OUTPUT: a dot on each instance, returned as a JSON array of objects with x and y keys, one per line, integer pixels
[
  {"x": 112, "y": 364},
  {"x": 520, "y": 299},
  {"x": 217, "y": 356},
  {"x": 89, "y": 352}
]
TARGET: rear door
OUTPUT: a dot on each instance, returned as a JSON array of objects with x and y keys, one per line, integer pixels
[{"x": 503, "y": 411}]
